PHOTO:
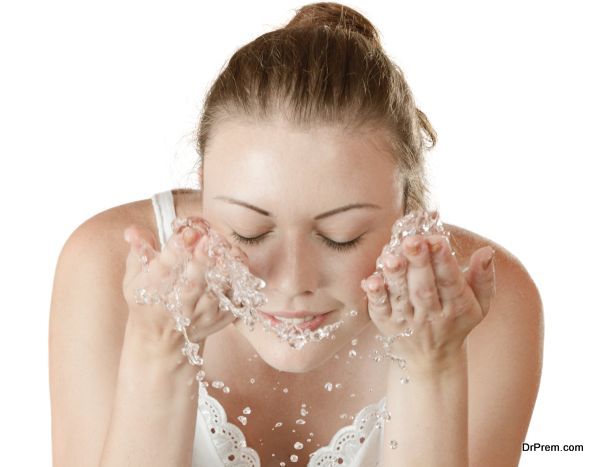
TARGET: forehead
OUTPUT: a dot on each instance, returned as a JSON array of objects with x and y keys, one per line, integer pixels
[{"x": 261, "y": 161}]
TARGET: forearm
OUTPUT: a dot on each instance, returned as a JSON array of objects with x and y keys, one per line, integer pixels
[
  {"x": 154, "y": 412},
  {"x": 429, "y": 415}
]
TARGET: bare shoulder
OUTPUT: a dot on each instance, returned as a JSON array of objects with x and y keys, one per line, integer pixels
[
  {"x": 517, "y": 301},
  {"x": 105, "y": 229},
  {"x": 513, "y": 282},
  {"x": 88, "y": 316},
  {"x": 505, "y": 357}
]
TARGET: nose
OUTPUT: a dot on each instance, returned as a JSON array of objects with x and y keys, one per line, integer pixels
[{"x": 294, "y": 268}]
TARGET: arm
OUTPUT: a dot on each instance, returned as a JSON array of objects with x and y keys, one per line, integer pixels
[
  {"x": 459, "y": 411},
  {"x": 153, "y": 418},
  {"x": 430, "y": 420},
  {"x": 113, "y": 397}
]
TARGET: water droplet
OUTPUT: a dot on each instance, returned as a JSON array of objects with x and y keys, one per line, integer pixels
[
  {"x": 298, "y": 445},
  {"x": 300, "y": 422},
  {"x": 252, "y": 381},
  {"x": 343, "y": 416},
  {"x": 352, "y": 395},
  {"x": 278, "y": 424},
  {"x": 352, "y": 353},
  {"x": 243, "y": 420},
  {"x": 353, "y": 313},
  {"x": 282, "y": 464},
  {"x": 393, "y": 444},
  {"x": 308, "y": 440},
  {"x": 303, "y": 412},
  {"x": 336, "y": 356},
  {"x": 247, "y": 411},
  {"x": 218, "y": 384},
  {"x": 404, "y": 380},
  {"x": 285, "y": 390},
  {"x": 354, "y": 341},
  {"x": 226, "y": 390},
  {"x": 338, "y": 385},
  {"x": 294, "y": 458},
  {"x": 328, "y": 386}
]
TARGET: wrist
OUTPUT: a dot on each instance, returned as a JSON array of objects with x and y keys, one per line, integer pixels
[
  {"x": 143, "y": 344},
  {"x": 442, "y": 362}
]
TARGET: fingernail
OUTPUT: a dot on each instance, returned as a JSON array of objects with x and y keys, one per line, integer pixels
[
  {"x": 190, "y": 236},
  {"x": 373, "y": 285},
  {"x": 486, "y": 263},
  {"x": 435, "y": 247},
  {"x": 413, "y": 246}
]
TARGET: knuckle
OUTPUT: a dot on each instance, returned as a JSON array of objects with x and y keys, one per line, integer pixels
[
  {"x": 426, "y": 292},
  {"x": 446, "y": 281}
]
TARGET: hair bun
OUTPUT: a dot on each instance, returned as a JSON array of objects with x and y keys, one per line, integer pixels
[{"x": 334, "y": 15}]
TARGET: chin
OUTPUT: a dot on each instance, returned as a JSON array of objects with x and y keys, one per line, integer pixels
[
  {"x": 282, "y": 357},
  {"x": 290, "y": 360}
]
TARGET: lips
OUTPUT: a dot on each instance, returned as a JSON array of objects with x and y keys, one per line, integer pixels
[{"x": 316, "y": 321}]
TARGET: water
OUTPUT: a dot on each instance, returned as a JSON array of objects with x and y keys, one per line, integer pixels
[
  {"x": 240, "y": 293},
  {"x": 298, "y": 445}
]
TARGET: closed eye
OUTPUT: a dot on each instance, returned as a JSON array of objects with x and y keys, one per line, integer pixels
[{"x": 338, "y": 246}]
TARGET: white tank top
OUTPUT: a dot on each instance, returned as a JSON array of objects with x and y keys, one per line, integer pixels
[{"x": 219, "y": 443}]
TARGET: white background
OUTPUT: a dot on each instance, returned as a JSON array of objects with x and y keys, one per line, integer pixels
[{"x": 99, "y": 101}]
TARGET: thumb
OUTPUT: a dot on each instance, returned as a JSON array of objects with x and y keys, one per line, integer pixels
[
  {"x": 142, "y": 250},
  {"x": 481, "y": 277}
]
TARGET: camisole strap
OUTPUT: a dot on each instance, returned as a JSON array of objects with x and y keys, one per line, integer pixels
[{"x": 164, "y": 211}]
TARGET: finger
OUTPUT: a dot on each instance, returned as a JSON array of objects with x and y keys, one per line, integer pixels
[
  {"x": 178, "y": 249},
  {"x": 450, "y": 280},
  {"x": 422, "y": 288},
  {"x": 142, "y": 250},
  {"x": 377, "y": 296},
  {"x": 394, "y": 273},
  {"x": 208, "y": 317},
  {"x": 482, "y": 277}
]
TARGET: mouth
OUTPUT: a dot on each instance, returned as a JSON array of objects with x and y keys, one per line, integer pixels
[{"x": 299, "y": 319}]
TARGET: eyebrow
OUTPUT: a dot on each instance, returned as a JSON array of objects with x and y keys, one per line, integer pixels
[{"x": 320, "y": 216}]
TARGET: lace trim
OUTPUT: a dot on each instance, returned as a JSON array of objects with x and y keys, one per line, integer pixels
[
  {"x": 346, "y": 443},
  {"x": 230, "y": 442},
  {"x": 227, "y": 438}
]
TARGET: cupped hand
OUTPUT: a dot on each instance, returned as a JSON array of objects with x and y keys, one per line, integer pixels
[
  {"x": 184, "y": 254},
  {"x": 425, "y": 302}
]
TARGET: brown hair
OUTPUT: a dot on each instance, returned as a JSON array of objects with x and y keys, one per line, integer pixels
[{"x": 326, "y": 66}]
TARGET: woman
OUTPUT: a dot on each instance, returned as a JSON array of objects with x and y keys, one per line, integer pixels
[{"x": 312, "y": 147}]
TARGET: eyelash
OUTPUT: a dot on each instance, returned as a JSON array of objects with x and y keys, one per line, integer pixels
[{"x": 345, "y": 246}]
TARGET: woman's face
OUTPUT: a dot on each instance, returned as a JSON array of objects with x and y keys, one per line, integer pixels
[{"x": 303, "y": 192}]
